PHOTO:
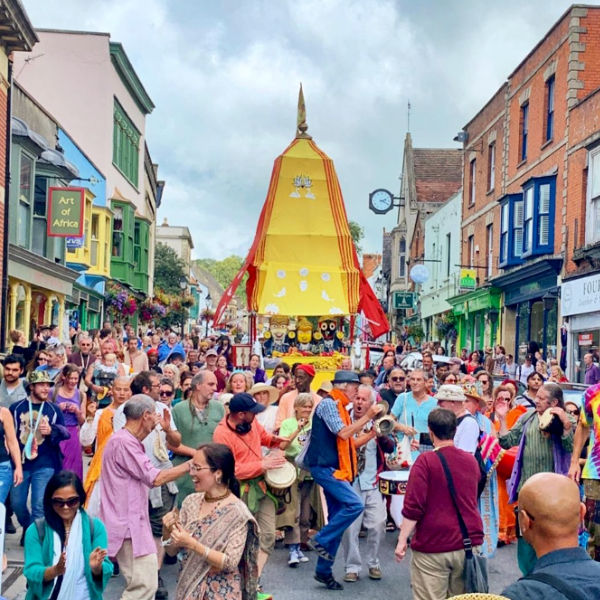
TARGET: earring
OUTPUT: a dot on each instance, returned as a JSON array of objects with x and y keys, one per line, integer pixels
[{"x": 218, "y": 479}]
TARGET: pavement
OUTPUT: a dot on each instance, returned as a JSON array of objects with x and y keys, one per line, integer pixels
[{"x": 285, "y": 583}]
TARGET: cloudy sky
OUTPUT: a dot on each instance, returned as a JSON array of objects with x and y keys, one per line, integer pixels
[{"x": 224, "y": 77}]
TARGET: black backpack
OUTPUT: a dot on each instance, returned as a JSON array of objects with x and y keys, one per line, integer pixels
[
  {"x": 478, "y": 458},
  {"x": 41, "y": 529}
]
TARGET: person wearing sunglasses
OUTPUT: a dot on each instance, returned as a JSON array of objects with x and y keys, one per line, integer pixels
[
  {"x": 396, "y": 384},
  {"x": 65, "y": 552}
]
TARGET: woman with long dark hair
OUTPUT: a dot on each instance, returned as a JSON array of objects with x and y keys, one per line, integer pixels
[
  {"x": 65, "y": 553},
  {"x": 216, "y": 531}
]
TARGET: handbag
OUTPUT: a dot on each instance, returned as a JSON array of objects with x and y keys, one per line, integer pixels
[
  {"x": 475, "y": 574},
  {"x": 401, "y": 456},
  {"x": 301, "y": 458}
]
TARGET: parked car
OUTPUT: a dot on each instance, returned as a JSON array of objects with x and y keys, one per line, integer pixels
[{"x": 414, "y": 360}]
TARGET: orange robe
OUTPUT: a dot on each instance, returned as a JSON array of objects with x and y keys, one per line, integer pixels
[{"x": 105, "y": 430}]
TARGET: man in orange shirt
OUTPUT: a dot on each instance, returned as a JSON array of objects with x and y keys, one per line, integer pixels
[
  {"x": 303, "y": 376},
  {"x": 245, "y": 437}
]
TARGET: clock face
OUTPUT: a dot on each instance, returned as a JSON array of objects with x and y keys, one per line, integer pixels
[{"x": 381, "y": 201}]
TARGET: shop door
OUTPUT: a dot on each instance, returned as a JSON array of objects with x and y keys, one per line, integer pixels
[{"x": 584, "y": 342}]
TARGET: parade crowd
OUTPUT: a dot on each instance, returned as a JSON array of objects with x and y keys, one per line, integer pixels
[{"x": 124, "y": 450}]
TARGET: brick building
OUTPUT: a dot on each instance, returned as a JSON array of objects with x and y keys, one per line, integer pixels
[{"x": 534, "y": 223}]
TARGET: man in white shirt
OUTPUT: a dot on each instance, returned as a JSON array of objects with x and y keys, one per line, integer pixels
[{"x": 452, "y": 397}]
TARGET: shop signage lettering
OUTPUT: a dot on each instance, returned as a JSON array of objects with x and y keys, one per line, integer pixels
[
  {"x": 585, "y": 339},
  {"x": 580, "y": 296},
  {"x": 403, "y": 300},
  {"x": 65, "y": 212}
]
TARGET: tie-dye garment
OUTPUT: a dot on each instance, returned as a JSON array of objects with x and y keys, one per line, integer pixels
[{"x": 590, "y": 417}]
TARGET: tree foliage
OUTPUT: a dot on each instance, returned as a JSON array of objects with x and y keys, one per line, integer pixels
[
  {"x": 224, "y": 271},
  {"x": 357, "y": 233},
  {"x": 168, "y": 269}
]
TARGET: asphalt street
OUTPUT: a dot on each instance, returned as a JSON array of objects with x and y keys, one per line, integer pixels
[{"x": 298, "y": 584}]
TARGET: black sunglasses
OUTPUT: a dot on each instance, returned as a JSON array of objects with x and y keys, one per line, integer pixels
[
  {"x": 166, "y": 394},
  {"x": 70, "y": 502},
  {"x": 398, "y": 378}
]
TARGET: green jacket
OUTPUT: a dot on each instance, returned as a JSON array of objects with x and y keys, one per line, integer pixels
[{"x": 39, "y": 555}]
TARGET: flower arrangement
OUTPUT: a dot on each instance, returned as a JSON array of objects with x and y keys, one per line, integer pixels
[
  {"x": 152, "y": 309},
  {"x": 120, "y": 302}
]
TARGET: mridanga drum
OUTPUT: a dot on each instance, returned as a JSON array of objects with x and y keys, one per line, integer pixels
[
  {"x": 392, "y": 483},
  {"x": 280, "y": 481}
]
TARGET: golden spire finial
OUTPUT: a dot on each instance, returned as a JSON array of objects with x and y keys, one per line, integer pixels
[{"x": 301, "y": 125}]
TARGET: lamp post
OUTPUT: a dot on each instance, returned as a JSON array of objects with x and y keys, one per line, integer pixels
[
  {"x": 493, "y": 317},
  {"x": 548, "y": 299},
  {"x": 208, "y": 300},
  {"x": 183, "y": 284}
]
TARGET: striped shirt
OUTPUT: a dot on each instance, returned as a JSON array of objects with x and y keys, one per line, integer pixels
[{"x": 537, "y": 454}]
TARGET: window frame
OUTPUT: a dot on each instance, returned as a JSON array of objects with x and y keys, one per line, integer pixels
[
  {"x": 592, "y": 219},
  {"x": 491, "y": 166},
  {"x": 402, "y": 258},
  {"x": 507, "y": 256},
  {"x": 537, "y": 247},
  {"x": 473, "y": 181},
  {"x": 126, "y": 145},
  {"x": 549, "y": 116},
  {"x": 523, "y": 131},
  {"x": 489, "y": 238}
]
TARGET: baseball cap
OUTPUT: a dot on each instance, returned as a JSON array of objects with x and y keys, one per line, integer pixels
[
  {"x": 211, "y": 352},
  {"x": 244, "y": 402}
]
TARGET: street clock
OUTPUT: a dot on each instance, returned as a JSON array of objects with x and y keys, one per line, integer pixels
[{"x": 381, "y": 201}]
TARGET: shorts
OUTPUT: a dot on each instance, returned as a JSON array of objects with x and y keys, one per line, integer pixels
[{"x": 157, "y": 513}]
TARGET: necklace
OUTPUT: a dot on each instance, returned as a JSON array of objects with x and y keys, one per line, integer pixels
[{"x": 217, "y": 498}]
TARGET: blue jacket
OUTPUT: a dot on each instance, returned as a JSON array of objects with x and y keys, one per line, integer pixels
[
  {"x": 164, "y": 351},
  {"x": 40, "y": 555}
]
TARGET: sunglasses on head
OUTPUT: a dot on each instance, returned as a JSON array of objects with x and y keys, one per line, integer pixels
[{"x": 70, "y": 502}]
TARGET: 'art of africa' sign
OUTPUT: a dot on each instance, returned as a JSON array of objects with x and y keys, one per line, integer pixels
[{"x": 65, "y": 212}]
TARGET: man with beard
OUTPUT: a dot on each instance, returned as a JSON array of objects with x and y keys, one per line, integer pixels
[
  {"x": 12, "y": 388},
  {"x": 245, "y": 437},
  {"x": 303, "y": 376},
  {"x": 135, "y": 360},
  {"x": 40, "y": 429},
  {"x": 331, "y": 458},
  {"x": 396, "y": 382},
  {"x": 534, "y": 383}
]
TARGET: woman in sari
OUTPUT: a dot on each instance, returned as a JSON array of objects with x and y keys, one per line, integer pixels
[
  {"x": 100, "y": 429},
  {"x": 216, "y": 531}
]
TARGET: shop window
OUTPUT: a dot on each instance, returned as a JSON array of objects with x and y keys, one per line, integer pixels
[
  {"x": 511, "y": 230},
  {"x": 402, "y": 258},
  {"x": 25, "y": 200},
  {"x": 592, "y": 227},
  {"x": 40, "y": 221},
  {"x": 472, "y": 173},
  {"x": 94, "y": 241},
  {"x": 126, "y": 142}
]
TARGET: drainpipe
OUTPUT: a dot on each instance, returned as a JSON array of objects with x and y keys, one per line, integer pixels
[{"x": 4, "y": 290}]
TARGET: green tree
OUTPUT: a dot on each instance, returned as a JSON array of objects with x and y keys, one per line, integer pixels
[
  {"x": 168, "y": 269},
  {"x": 224, "y": 271},
  {"x": 357, "y": 233}
]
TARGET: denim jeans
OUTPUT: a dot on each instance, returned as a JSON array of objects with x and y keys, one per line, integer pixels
[
  {"x": 37, "y": 479},
  {"x": 6, "y": 479},
  {"x": 344, "y": 506}
]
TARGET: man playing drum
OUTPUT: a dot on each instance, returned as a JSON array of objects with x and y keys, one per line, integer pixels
[{"x": 370, "y": 452}]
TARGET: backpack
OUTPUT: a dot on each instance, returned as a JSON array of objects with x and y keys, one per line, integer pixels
[{"x": 483, "y": 475}]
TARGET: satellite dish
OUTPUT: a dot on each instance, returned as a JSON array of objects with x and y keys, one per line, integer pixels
[{"x": 419, "y": 274}]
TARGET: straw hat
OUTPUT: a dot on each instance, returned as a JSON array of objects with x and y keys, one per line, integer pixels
[
  {"x": 452, "y": 393},
  {"x": 263, "y": 387}
]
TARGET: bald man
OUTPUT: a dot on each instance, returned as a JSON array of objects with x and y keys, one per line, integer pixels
[{"x": 550, "y": 523}]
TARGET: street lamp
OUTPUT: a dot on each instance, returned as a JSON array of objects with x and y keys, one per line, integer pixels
[
  {"x": 208, "y": 301},
  {"x": 493, "y": 317},
  {"x": 548, "y": 300}
]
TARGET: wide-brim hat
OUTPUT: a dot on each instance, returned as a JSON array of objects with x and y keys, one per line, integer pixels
[
  {"x": 451, "y": 393},
  {"x": 39, "y": 377},
  {"x": 263, "y": 387},
  {"x": 344, "y": 376},
  {"x": 473, "y": 391},
  {"x": 326, "y": 386}
]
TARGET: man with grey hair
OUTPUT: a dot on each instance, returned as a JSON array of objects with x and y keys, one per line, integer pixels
[
  {"x": 370, "y": 451},
  {"x": 127, "y": 476},
  {"x": 539, "y": 452},
  {"x": 195, "y": 419}
]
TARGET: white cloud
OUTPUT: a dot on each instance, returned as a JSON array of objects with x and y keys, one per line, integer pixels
[{"x": 224, "y": 78}]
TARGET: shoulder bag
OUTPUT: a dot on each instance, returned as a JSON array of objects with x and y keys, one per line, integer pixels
[
  {"x": 401, "y": 456},
  {"x": 475, "y": 573}
]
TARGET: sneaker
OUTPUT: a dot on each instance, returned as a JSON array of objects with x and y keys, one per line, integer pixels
[
  {"x": 116, "y": 570},
  {"x": 302, "y": 557},
  {"x": 374, "y": 572},
  {"x": 351, "y": 577},
  {"x": 294, "y": 559}
]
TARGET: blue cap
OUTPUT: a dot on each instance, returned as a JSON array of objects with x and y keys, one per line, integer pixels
[{"x": 244, "y": 402}]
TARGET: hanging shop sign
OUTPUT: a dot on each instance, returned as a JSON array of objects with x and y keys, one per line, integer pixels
[
  {"x": 580, "y": 296},
  {"x": 468, "y": 279},
  {"x": 403, "y": 300},
  {"x": 65, "y": 212}
]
